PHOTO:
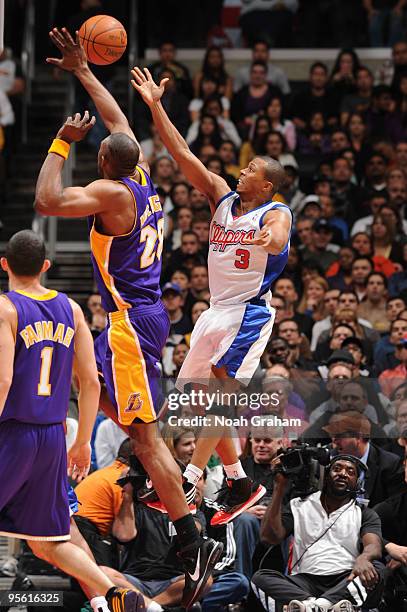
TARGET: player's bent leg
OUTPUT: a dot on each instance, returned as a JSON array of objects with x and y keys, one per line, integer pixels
[{"x": 75, "y": 562}]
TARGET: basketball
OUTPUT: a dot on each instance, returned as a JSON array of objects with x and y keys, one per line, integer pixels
[{"x": 104, "y": 39}]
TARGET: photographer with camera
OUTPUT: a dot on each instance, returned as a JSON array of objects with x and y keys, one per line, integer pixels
[{"x": 336, "y": 543}]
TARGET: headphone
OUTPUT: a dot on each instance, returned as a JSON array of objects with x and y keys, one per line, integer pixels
[{"x": 361, "y": 467}]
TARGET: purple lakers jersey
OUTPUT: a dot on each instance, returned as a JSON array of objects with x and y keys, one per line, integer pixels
[
  {"x": 43, "y": 359},
  {"x": 128, "y": 267}
]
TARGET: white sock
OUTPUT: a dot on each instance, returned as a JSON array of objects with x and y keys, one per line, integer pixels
[
  {"x": 99, "y": 604},
  {"x": 192, "y": 474},
  {"x": 323, "y": 602},
  {"x": 235, "y": 471},
  {"x": 153, "y": 606}
]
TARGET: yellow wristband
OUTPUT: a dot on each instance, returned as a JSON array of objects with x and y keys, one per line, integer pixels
[{"x": 60, "y": 147}]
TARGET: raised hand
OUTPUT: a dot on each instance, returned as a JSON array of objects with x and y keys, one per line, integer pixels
[
  {"x": 147, "y": 88},
  {"x": 76, "y": 129},
  {"x": 73, "y": 54}
]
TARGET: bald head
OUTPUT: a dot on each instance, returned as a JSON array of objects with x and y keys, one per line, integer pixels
[{"x": 121, "y": 154}]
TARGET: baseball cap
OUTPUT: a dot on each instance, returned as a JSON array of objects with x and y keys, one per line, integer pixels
[
  {"x": 350, "y": 422},
  {"x": 353, "y": 340},
  {"x": 340, "y": 356},
  {"x": 171, "y": 287},
  {"x": 322, "y": 224}
]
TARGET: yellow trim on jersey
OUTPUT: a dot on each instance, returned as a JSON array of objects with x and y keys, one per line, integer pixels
[
  {"x": 41, "y": 298},
  {"x": 100, "y": 246},
  {"x": 131, "y": 386},
  {"x": 143, "y": 176}
]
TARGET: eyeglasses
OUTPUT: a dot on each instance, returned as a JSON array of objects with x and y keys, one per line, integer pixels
[{"x": 265, "y": 440}]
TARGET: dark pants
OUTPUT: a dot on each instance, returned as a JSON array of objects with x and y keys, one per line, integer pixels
[{"x": 274, "y": 588}]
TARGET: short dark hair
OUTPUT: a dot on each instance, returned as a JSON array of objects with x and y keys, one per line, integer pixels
[
  {"x": 125, "y": 450},
  {"x": 274, "y": 172},
  {"x": 366, "y": 257},
  {"x": 123, "y": 154},
  {"x": 380, "y": 274},
  {"x": 25, "y": 253},
  {"x": 318, "y": 65}
]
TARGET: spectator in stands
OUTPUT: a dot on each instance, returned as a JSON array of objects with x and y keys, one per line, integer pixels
[
  {"x": 291, "y": 191},
  {"x": 254, "y": 144},
  {"x": 178, "y": 357},
  {"x": 208, "y": 89},
  {"x": 190, "y": 246},
  {"x": 337, "y": 335},
  {"x": 383, "y": 239},
  {"x": 208, "y": 134},
  {"x": 275, "y": 75},
  {"x": 100, "y": 501},
  {"x": 373, "y": 306},
  {"x": 261, "y": 448},
  {"x": 173, "y": 301},
  {"x": 351, "y": 433},
  {"x": 331, "y": 299},
  {"x": 327, "y": 577},
  {"x": 312, "y": 302},
  {"x": 343, "y": 75},
  {"x": 285, "y": 288},
  {"x": 339, "y": 274},
  {"x": 163, "y": 173},
  {"x": 384, "y": 350},
  {"x": 359, "y": 101},
  {"x": 364, "y": 224},
  {"x": 346, "y": 195},
  {"x": 175, "y": 101},
  {"x": 389, "y": 72},
  {"x": 252, "y": 99},
  {"x": 314, "y": 139},
  {"x": 362, "y": 266},
  {"x": 389, "y": 380},
  {"x": 401, "y": 153},
  {"x": 315, "y": 97},
  {"x": 108, "y": 440},
  {"x": 381, "y": 12},
  {"x": 167, "y": 52},
  {"x": 270, "y": 20},
  {"x": 275, "y": 146},
  {"x": 381, "y": 118},
  {"x": 213, "y": 107},
  {"x": 228, "y": 154},
  {"x": 181, "y": 442},
  {"x": 321, "y": 249},
  {"x": 279, "y": 124},
  {"x": 213, "y": 67}
]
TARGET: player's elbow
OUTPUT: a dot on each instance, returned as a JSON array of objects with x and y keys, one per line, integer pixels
[{"x": 45, "y": 206}]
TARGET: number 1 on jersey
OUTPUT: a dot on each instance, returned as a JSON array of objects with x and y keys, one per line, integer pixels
[
  {"x": 44, "y": 387},
  {"x": 244, "y": 258}
]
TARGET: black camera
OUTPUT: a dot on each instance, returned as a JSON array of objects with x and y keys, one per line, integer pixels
[{"x": 302, "y": 465}]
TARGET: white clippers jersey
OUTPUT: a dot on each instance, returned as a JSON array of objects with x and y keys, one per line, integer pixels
[{"x": 239, "y": 271}]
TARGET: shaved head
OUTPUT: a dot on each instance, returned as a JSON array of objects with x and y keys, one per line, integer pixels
[
  {"x": 122, "y": 154},
  {"x": 274, "y": 172}
]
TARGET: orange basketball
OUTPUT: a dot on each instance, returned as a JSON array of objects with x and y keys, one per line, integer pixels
[{"x": 104, "y": 39}]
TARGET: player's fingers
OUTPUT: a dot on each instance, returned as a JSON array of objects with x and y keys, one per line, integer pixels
[
  {"x": 53, "y": 60},
  {"x": 141, "y": 76},
  {"x": 135, "y": 85},
  {"x": 136, "y": 79},
  {"x": 69, "y": 119},
  {"x": 77, "y": 117},
  {"x": 148, "y": 73},
  {"x": 85, "y": 118},
  {"x": 67, "y": 36},
  {"x": 56, "y": 41},
  {"x": 58, "y": 37},
  {"x": 164, "y": 82}
]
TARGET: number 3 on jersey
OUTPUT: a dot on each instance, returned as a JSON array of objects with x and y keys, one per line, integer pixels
[{"x": 242, "y": 259}]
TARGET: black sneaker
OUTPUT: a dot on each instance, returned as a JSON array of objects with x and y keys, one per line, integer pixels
[
  {"x": 237, "y": 497},
  {"x": 148, "y": 494},
  {"x": 125, "y": 600},
  {"x": 199, "y": 564}
]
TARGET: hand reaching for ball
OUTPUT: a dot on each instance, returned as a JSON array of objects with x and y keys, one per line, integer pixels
[
  {"x": 73, "y": 53},
  {"x": 147, "y": 88}
]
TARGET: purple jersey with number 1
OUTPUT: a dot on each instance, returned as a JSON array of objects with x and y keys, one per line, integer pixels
[{"x": 33, "y": 467}]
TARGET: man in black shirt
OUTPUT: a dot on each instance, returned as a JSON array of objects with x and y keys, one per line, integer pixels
[{"x": 314, "y": 97}]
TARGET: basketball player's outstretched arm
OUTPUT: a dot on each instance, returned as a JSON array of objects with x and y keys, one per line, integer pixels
[
  {"x": 74, "y": 60},
  {"x": 52, "y": 199},
  {"x": 79, "y": 455},
  {"x": 8, "y": 329},
  {"x": 212, "y": 185}
]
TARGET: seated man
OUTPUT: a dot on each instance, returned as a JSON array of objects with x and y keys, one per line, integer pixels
[
  {"x": 393, "y": 515},
  {"x": 328, "y": 569},
  {"x": 151, "y": 563},
  {"x": 350, "y": 433},
  {"x": 261, "y": 448}
]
